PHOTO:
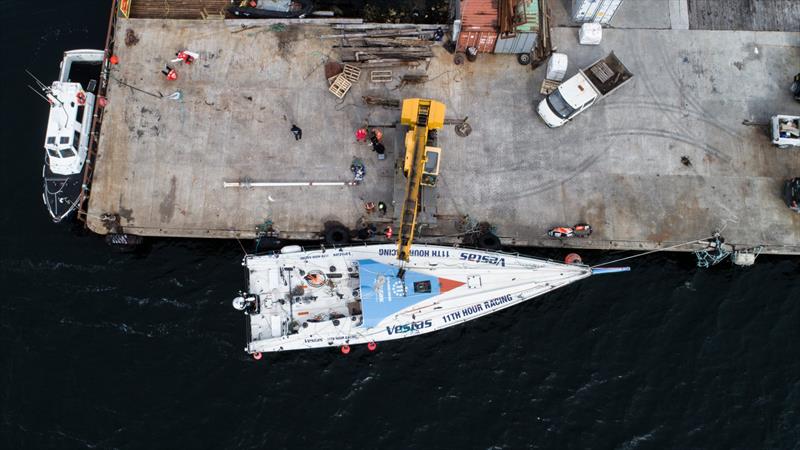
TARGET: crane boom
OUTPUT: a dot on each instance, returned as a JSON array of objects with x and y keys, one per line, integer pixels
[{"x": 421, "y": 163}]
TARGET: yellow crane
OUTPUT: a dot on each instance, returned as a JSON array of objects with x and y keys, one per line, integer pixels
[{"x": 421, "y": 163}]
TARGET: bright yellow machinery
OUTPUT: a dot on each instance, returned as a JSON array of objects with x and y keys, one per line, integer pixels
[{"x": 421, "y": 164}]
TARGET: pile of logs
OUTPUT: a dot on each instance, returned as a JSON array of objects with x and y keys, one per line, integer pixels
[
  {"x": 507, "y": 17},
  {"x": 176, "y": 9},
  {"x": 544, "y": 46},
  {"x": 374, "y": 45}
]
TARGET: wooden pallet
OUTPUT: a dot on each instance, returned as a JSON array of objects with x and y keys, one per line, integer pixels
[
  {"x": 352, "y": 73},
  {"x": 380, "y": 76},
  {"x": 218, "y": 15},
  {"x": 549, "y": 86},
  {"x": 340, "y": 86}
]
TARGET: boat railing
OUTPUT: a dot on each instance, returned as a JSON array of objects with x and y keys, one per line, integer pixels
[
  {"x": 97, "y": 117},
  {"x": 364, "y": 244}
]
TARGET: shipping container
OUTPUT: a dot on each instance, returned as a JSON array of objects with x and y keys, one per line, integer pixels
[
  {"x": 478, "y": 25},
  {"x": 479, "y": 13},
  {"x": 484, "y": 41},
  {"x": 521, "y": 43},
  {"x": 600, "y": 11},
  {"x": 530, "y": 10}
]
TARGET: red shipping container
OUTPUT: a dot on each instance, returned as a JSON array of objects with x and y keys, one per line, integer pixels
[
  {"x": 478, "y": 25},
  {"x": 482, "y": 40}
]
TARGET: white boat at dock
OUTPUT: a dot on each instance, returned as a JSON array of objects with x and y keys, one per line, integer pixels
[
  {"x": 347, "y": 296},
  {"x": 72, "y": 103}
]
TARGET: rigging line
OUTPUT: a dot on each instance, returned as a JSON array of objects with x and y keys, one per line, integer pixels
[
  {"x": 134, "y": 87},
  {"x": 240, "y": 245},
  {"x": 652, "y": 251},
  {"x": 716, "y": 233}
]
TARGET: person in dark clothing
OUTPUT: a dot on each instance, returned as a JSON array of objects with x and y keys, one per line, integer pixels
[
  {"x": 379, "y": 148},
  {"x": 297, "y": 132}
]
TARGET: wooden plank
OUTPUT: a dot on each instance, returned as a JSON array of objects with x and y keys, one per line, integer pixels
[
  {"x": 380, "y": 76},
  {"x": 405, "y": 42}
]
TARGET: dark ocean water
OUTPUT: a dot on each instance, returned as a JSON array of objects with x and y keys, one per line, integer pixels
[{"x": 107, "y": 350}]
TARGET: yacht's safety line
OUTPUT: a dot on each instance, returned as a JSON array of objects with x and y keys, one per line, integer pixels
[{"x": 694, "y": 241}]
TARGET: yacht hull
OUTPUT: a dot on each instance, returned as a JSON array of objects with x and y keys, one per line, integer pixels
[{"x": 359, "y": 295}]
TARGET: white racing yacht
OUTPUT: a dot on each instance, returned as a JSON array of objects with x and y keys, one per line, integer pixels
[
  {"x": 72, "y": 103},
  {"x": 346, "y": 296}
]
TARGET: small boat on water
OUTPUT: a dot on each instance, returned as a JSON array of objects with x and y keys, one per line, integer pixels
[
  {"x": 346, "y": 296},
  {"x": 275, "y": 9},
  {"x": 72, "y": 102}
]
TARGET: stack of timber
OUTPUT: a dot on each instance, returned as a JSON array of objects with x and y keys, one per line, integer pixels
[
  {"x": 177, "y": 9},
  {"x": 544, "y": 46},
  {"x": 383, "y": 45},
  {"x": 509, "y": 18}
]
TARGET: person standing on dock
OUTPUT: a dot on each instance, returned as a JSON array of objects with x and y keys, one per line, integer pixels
[
  {"x": 170, "y": 73},
  {"x": 361, "y": 135},
  {"x": 297, "y": 132}
]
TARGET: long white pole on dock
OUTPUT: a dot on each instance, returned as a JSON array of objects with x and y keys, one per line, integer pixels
[{"x": 249, "y": 184}]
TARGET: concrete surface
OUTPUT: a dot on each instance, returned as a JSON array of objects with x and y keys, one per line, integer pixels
[
  {"x": 617, "y": 166},
  {"x": 639, "y": 14},
  {"x": 755, "y": 15},
  {"x": 679, "y": 14},
  {"x": 162, "y": 162},
  {"x": 750, "y": 15}
]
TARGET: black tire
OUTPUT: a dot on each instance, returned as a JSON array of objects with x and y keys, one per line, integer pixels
[
  {"x": 489, "y": 241},
  {"x": 269, "y": 243},
  {"x": 524, "y": 58},
  {"x": 124, "y": 242},
  {"x": 336, "y": 235},
  {"x": 459, "y": 59}
]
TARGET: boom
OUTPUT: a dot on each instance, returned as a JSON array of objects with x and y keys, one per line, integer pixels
[{"x": 421, "y": 164}]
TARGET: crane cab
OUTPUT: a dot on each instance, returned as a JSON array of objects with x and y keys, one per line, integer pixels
[{"x": 430, "y": 171}]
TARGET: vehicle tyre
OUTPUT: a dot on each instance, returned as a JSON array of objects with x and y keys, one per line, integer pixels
[
  {"x": 524, "y": 58},
  {"x": 123, "y": 241},
  {"x": 336, "y": 235},
  {"x": 489, "y": 241},
  {"x": 268, "y": 243},
  {"x": 459, "y": 59}
]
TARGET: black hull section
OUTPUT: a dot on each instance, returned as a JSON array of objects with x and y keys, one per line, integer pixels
[
  {"x": 61, "y": 193},
  {"x": 255, "y": 13}
]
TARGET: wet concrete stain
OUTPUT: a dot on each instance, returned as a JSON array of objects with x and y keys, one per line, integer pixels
[
  {"x": 127, "y": 214},
  {"x": 167, "y": 206}
]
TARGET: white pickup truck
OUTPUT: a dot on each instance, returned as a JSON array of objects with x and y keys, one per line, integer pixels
[{"x": 582, "y": 90}]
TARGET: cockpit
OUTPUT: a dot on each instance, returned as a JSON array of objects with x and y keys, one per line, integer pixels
[{"x": 62, "y": 146}]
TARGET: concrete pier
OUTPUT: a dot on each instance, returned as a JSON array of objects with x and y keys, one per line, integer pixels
[{"x": 161, "y": 163}]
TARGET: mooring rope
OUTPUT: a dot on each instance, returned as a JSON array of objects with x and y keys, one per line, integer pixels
[{"x": 693, "y": 241}]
